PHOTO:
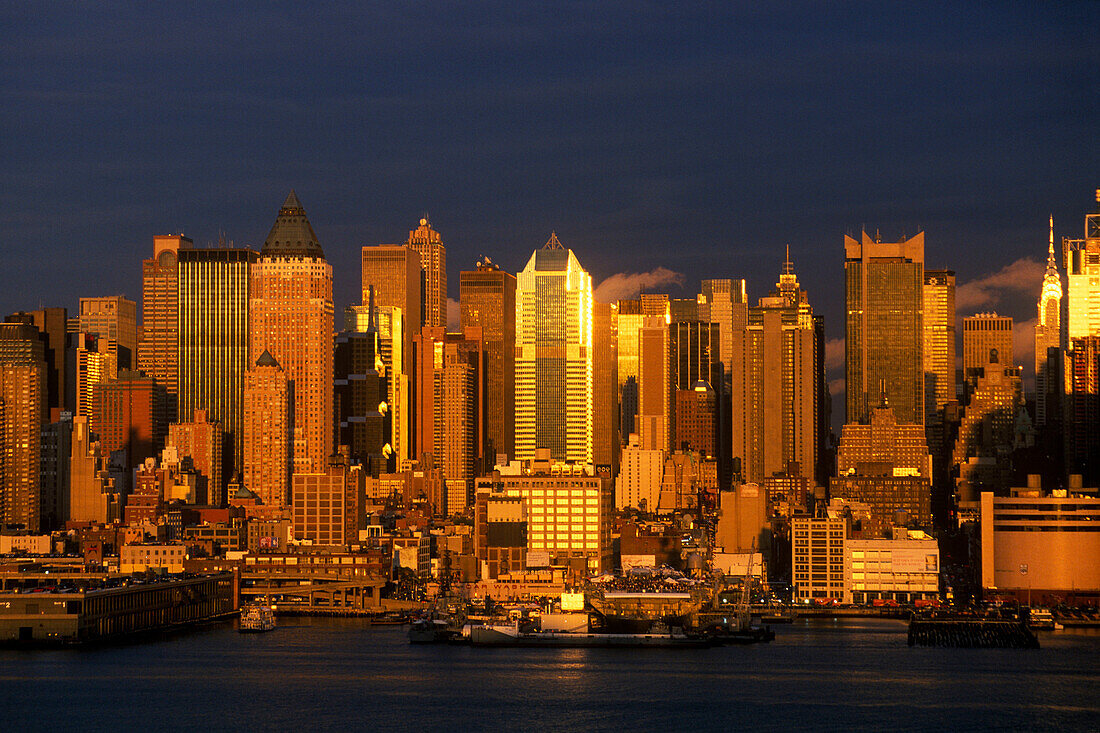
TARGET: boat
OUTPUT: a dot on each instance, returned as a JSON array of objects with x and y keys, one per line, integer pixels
[
  {"x": 1042, "y": 618},
  {"x": 433, "y": 631},
  {"x": 257, "y": 618},
  {"x": 513, "y": 636}
]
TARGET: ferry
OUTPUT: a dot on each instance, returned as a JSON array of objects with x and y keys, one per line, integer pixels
[{"x": 257, "y": 618}]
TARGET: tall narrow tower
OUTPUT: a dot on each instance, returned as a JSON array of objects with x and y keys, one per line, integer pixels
[
  {"x": 1048, "y": 342},
  {"x": 291, "y": 316},
  {"x": 883, "y": 349},
  {"x": 158, "y": 349},
  {"x": 554, "y": 356},
  {"x": 433, "y": 258}
]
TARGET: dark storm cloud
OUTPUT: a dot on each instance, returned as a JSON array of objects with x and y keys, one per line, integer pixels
[{"x": 699, "y": 138}]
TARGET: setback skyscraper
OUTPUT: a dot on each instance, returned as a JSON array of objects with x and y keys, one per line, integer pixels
[
  {"x": 158, "y": 348},
  {"x": 1048, "y": 343},
  {"x": 433, "y": 258},
  {"x": 554, "y": 356}
]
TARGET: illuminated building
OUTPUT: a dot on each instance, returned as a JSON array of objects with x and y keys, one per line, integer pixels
[
  {"x": 22, "y": 396},
  {"x": 433, "y": 258},
  {"x": 727, "y": 305},
  {"x": 291, "y": 318},
  {"x": 389, "y": 323},
  {"x": 817, "y": 556},
  {"x": 92, "y": 364},
  {"x": 91, "y": 496},
  {"x": 329, "y": 506},
  {"x": 884, "y": 337},
  {"x": 129, "y": 414},
  {"x": 113, "y": 318},
  {"x": 987, "y": 428},
  {"x": 628, "y": 324},
  {"x": 639, "y": 481},
  {"x": 605, "y": 391},
  {"x": 202, "y": 440},
  {"x": 939, "y": 341},
  {"x": 52, "y": 329},
  {"x": 777, "y": 383},
  {"x": 268, "y": 411},
  {"x": 902, "y": 568},
  {"x": 449, "y": 370},
  {"x": 654, "y": 420},
  {"x": 1082, "y": 418},
  {"x": 158, "y": 349},
  {"x": 554, "y": 356},
  {"x": 394, "y": 272},
  {"x": 213, "y": 336},
  {"x": 697, "y": 420},
  {"x": 487, "y": 297},
  {"x": 360, "y": 398},
  {"x": 981, "y": 333},
  {"x": 1081, "y": 258},
  {"x": 1048, "y": 343}
]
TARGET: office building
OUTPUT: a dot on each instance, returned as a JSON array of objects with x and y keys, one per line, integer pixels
[
  {"x": 158, "y": 348},
  {"x": 22, "y": 394},
  {"x": 817, "y": 555},
  {"x": 330, "y": 506},
  {"x": 360, "y": 399},
  {"x": 726, "y": 304},
  {"x": 655, "y": 385},
  {"x": 884, "y": 327},
  {"x": 53, "y": 332},
  {"x": 1082, "y": 417},
  {"x": 554, "y": 399},
  {"x": 291, "y": 318},
  {"x": 777, "y": 383},
  {"x": 988, "y": 425},
  {"x": 487, "y": 298},
  {"x": 696, "y": 424},
  {"x": 983, "y": 332},
  {"x": 113, "y": 318},
  {"x": 92, "y": 363},
  {"x": 395, "y": 273},
  {"x": 433, "y": 259},
  {"x": 201, "y": 440},
  {"x": 1081, "y": 259},
  {"x": 91, "y": 496},
  {"x": 605, "y": 391},
  {"x": 129, "y": 414},
  {"x": 631, "y": 315},
  {"x": 640, "y": 473},
  {"x": 268, "y": 399},
  {"x": 214, "y": 287},
  {"x": 939, "y": 341}
]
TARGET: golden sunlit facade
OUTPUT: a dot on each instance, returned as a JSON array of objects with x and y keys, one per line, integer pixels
[
  {"x": 113, "y": 318},
  {"x": 433, "y": 258},
  {"x": 939, "y": 340},
  {"x": 22, "y": 394},
  {"x": 1048, "y": 336},
  {"x": 291, "y": 316},
  {"x": 554, "y": 378},
  {"x": 158, "y": 349},
  {"x": 268, "y": 410}
]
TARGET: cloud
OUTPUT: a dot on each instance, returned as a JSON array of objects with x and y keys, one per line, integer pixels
[
  {"x": 626, "y": 285},
  {"x": 836, "y": 386},
  {"x": 1022, "y": 277},
  {"x": 454, "y": 315},
  {"x": 834, "y": 354},
  {"x": 1023, "y": 349}
]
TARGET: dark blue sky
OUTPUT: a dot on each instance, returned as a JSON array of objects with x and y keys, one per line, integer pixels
[{"x": 702, "y": 138}]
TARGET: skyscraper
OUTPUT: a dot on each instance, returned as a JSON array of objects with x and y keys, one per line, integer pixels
[
  {"x": 982, "y": 332},
  {"x": 202, "y": 441},
  {"x": 113, "y": 318},
  {"x": 1048, "y": 343},
  {"x": 52, "y": 329},
  {"x": 158, "y": 349},
  {"x": 939, "y": 340},
  {"x": 628, "y": 325},
  {"x": 291, "y": 317},
  {"x": 884, "y": 327},
  {"x": 727, "y": 305},
  {"x": 433, "y": 258},
  {"x": 213, "y": 336},
  {"x": 130, "y": 414},
  {"x": 776, "y": 383},
  {"x": 22, "y": 396},
  {"x": 267, "y": 433},
  {"x": 395, "y": 273},
  {"x": 554, "y": 356},
  {"x": 487, "y": 297},
  {"x": 655, "y": 385},
  {"x": 605, "y": 390},
  {"x": 1081, "y": 258}
]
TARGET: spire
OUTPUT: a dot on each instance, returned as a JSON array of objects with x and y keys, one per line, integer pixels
[
  {"x": 1052, "y": 265},
  {"x": 372, "y": 326},
  {"x": 292, "y": 235},
  {"x": 553, "y": 242}
]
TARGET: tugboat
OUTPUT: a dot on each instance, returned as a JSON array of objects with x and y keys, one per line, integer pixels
[{"x": 257, "y": 618}]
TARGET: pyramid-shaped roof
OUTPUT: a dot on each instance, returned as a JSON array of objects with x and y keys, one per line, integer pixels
[
  {"x": 292, "y": 235},
  {"x": 266, "y": 359}
]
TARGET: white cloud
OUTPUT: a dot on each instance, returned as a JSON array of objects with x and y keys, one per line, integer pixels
[
  {"x": 626, "y": 285},
  {"x": 454, "y": 315},
  {"x": 1024, "y": 276},
  {"x": 834, "y": 354},
  {"x": 836, "y": 386}
]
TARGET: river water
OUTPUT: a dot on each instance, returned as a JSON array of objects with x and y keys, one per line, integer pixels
[{"x": 337, "y": 674}]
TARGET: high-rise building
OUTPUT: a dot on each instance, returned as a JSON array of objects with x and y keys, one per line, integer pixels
[
  {"x": 696, "y": 427},
  {"x": 939, "y": 340},
  {"x": 884, "y": 336},
  {"x": 1082, "y": 416},
  {"x": 628, "y": 324},
  {"x": 487, "y": 297},
  {"x": 113, "y": 318},
  {"x": 52, "y": 329},
  {"x": 91, "y": 496},
  {"x": 213, "y": 337},
  {"x": 981, "y": 333},
  {"x": 22, "y": 394},
  {"x": 728, "y": 306},
  {"x": 639, "y": 481},
  {"x": 987, "y": 428},
  {"x": 655, "y": 385},
  {"x": 395, "y": 273},
  {"x": 605, "y": 388},
  {"x": 92, "y": 364},
  {"x": 330, "y": 505},
  {"x": 202, "y": 441},
  {"x": 776, "y": 383},
  {"x": 360, "y": 399},
  {"x": 449, "y": 369},
  {"x": 158, "y": 348},
  {"x": 129, "y": 414},
  {"x": 1048, "y": 343},
  {"x": 268, "y": 399},
  {"x": 1081, "y": 258},
  {"x": 554, "y": 356},
  {"x": 291, "y": 317},
  {"x": 55, "y": 456},
  {"x": 433, "y": 258}
]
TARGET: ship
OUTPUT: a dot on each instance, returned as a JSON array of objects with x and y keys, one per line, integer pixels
[
  {"x": 257, "y": 618},
  {"x": 577, "y": 635}
]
